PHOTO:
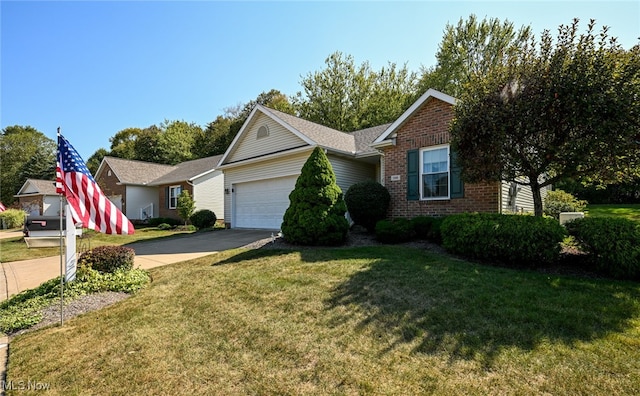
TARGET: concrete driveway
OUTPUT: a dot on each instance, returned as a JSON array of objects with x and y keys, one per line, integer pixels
[{"x": 27, "y": 274}]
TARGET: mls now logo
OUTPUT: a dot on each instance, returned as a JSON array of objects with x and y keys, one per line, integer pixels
[{"x": 24, "y": 385}]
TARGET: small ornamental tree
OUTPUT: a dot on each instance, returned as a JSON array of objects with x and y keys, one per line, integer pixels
[
  {"x": 316, "y": 213},
  {"x": 186, "y": 206}
]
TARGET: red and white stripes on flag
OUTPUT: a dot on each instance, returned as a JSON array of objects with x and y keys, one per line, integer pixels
[
  {"x": 87, "y": 204},
  {"x": 2, "y": 207}
]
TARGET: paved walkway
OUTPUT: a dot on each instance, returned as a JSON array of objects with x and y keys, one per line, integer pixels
[{"x": 27, "y": 274}]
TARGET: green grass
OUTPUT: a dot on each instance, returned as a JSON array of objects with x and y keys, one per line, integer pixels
[
  {"x": 368, "y": 320},
  {"x": 627, "y": 211},
  {"x": 15, "y": 249}
]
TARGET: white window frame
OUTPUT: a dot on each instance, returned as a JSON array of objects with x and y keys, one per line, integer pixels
[
  {"x": 173, "y": 197},
  {"x": 422, "y": 173}
]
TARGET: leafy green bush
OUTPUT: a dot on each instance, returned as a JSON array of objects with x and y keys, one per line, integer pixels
[
  {"x": 203, "y": 218},
  {"x": 613, "y": 244},
  {"x": 367, "y": 202},
  {"x": 164, "y": 226},
  {"x": 316, "y": 213},
  {"x": 560, "y": 201},
  {"x": 108, "y": 259},
  {"x": 427, "y": 228},
  {"x": 394, "y": 231},
  {"x": 509, "y": 239},
  {"x": 156, "y": 221},
  {"x": 12, "y": 218}
]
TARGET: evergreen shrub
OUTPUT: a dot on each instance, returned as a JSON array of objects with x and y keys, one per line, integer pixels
[
  {"x": 203, "y": 218},
  {"x": 559, "y": 201},
  {"x": 612, "y": 244},
  {"x": 509, "y": 239},
  {"x": 394, "y": 231},
  {"x": 367, "y": 202}
]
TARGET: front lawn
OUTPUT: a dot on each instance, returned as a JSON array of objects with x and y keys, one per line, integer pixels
[{"x": 367, "y": 320}]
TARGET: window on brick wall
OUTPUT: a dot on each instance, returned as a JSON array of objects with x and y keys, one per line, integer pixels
[
  {"x": 174, "y": 192},
  {"x": 433, "y": 174}
]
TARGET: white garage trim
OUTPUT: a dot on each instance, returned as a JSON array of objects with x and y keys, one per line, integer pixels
[{"x": 261, "y": 204}]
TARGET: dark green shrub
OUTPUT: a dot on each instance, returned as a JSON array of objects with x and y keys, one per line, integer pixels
[
  {"x": 164, "y": 226},
  {"x": 367, "y": 202},
  {"x": 613, "y": 244},
  {"x": 156, "y": 221},
  {"x": 203, "y": 218},
  {"x": 316, "y": 213},
  {"x": 12, "y": 218},
  {"x": 508, "y": 239},
  {"x": 108, "y": 259},
  {"x": 559, "y": 201},
  {"x": 394, "y": 231},
  {"x": 427, "y": 228}
]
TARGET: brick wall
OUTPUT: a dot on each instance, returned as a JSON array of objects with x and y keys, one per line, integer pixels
[
  {"x": 429, "y": 126},
  {"x": 162, "y": 200},
  {"x": 110, "y": 186}
]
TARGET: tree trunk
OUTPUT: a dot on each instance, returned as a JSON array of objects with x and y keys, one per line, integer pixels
[{"x": 537, "y": 197}]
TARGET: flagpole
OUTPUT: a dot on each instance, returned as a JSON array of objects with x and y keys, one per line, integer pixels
[{"x": 60, "y": 234}]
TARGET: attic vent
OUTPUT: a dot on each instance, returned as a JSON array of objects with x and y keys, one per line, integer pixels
[{"x": 263, "y": 131}]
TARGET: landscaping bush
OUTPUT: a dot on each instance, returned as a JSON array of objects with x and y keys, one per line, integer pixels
[
  {"x": 316, "y": 213},
  {"x": 613, "y": 244},
  {"x": 12, "y": 218},
  {"x": 108, "y": 259},
  {"x": 156, "y": 221},
  {"x": 203, "y": 218},
  {"x": 164, "y": 226},
  {"x": 560, "y": 201},
  {"x": 394, "y": 231},
  {"x": 508, "y": 239},
  {"x": 427, "y": 228},
  {"x": 367, "y": 203}
]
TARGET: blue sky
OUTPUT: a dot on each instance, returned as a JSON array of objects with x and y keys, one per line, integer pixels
[{"x": 95, "y": 68}]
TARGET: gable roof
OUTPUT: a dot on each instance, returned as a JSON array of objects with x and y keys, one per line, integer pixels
[
  {"x": 133, "y": 171},
  {"x": 429, "y": 95},
  {"x": 355, "y": 143},
  {"x": 41, "y": 187},
  {"x": 188, "y": 170}
]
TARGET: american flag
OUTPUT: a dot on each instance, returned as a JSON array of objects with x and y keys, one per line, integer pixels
[
  {"x": 2, "y": 207},
  {"x": 87, "y": 203}
]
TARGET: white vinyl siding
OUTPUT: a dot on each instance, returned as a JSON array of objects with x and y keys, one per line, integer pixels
[
  {"x": 139, "y": 197},
  {"x": 279, "y": 139},
  {"x": 208, "y": 193},
  {"x": 349, "y": 172},
  {"x": 524, "y": 198}
]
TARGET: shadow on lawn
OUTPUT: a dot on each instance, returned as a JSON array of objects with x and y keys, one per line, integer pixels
[{"x": 472, "y": 311}]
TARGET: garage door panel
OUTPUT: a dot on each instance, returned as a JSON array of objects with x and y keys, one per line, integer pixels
[{"x": 261, "y": 204}]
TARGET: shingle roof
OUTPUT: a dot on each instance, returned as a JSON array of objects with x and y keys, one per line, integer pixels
[
  {"x": 354, "y": 142},
  {"x": 188, "y": 170},
  {"x": 136, "y": 172},
  {"x": 45, "y": 187}
]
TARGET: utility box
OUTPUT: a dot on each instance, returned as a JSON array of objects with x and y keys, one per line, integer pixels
[
  {"x": 44, "y": 231},
  {"x": 566, "y": 217}
]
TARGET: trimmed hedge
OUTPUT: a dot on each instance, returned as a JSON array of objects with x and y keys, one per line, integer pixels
[
  {"x": 203, "y": 218},
  {"x": 367, "y": 203},
  {"x": 108, "y": 259},
  {"x": 156, "y": 221},
  {"x": 612, "y": 244},
  {"x": 394, "y": 231},
  {"x": 508, "y": 239},
  {"x": 427, "y": 228}
]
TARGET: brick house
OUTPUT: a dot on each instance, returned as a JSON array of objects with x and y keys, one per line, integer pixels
[{"x": 411, "y": 157}]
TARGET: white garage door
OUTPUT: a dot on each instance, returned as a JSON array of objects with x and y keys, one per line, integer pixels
[{"x": 261, "y": 204}]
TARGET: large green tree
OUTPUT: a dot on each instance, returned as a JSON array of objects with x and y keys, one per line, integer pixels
[
  {"x": 569, "y": 108},
  {"x": 20, "y": 146},
  {"x": 123, "y": 143},
  {"x": 348, "y": 97},
  {"x": 471, "y": 47}
]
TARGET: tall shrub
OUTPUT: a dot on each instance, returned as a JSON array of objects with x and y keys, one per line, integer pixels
[
  {"x": 186, "y": 206},
  {"x": 367, "y": 203},
  {"x": 559, "y": 201},
  {"x": 316, "y": 213}
]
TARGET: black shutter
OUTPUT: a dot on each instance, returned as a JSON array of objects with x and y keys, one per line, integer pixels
[
  {"x": 166, "y": 197},
  {"x": 457, "y": 186},
  {"x": 413, "y": 175}
]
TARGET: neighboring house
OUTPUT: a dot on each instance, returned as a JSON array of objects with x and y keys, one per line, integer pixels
[
  {"x": 420, "y": 170},
  {"x": 143, "y": 190},
  {"x": 410, "y": 156},
  {"x": 39, "y": 198}
]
